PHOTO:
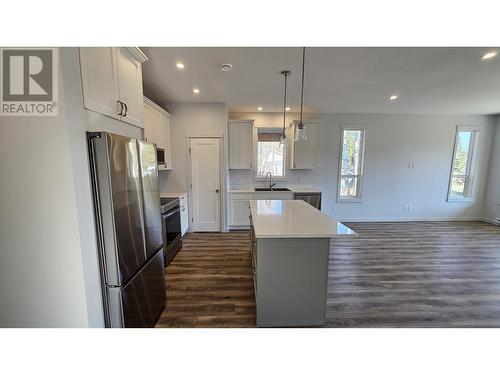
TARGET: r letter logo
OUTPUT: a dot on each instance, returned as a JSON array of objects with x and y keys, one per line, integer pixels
[{"x": 29, "y": 82}]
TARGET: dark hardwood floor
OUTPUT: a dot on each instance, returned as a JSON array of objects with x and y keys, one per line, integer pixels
[
  {"x": 210, "y": 282},
  {"x": 406, "y": 274}
]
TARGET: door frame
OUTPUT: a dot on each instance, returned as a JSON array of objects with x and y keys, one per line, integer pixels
[{"x": 222, "y": 177}]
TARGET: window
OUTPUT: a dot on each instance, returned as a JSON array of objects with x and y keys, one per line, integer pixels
[
  {"x": 351, "y": 164},
  {"x": 462, "y": 167},
  {"x": 270, "y": 153}
]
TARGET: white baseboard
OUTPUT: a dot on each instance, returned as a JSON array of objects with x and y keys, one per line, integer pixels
[
  {"x": 491, "y": 221},
  {"x": 238, "y": 227},
  {"x": 388, "y": 220}
]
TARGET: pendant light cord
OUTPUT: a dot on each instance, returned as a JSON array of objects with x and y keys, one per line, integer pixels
[
  {"x": 302, "y": 91},
  {"x": 284, "y": 105}
]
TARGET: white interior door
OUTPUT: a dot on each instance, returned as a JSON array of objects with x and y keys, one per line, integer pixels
[{"x": 205, "y": 181}]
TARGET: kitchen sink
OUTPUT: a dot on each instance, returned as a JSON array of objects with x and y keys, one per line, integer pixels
[{"x": 272, "y": 189}]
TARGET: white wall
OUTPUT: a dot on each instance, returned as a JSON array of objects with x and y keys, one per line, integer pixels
[
  {"x": 392, "y": 141},
  {"x": 42, "y": 273},
  {"x": 97, "y": 122},
  {"x": 492, "y": 202},
  {"x": 193, "y": 120},
  {"x": 77, "y": 127}
]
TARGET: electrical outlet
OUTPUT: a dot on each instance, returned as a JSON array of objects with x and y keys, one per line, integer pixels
[
  {"x": 411, "y": 165},
  {"x": 406, "y": 207}
]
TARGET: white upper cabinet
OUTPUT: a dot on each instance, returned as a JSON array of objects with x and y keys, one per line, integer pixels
[
  {"x": 157, "y": 129},
  {"x": 130, "y": 87},
  {"x": 112, "y": 82},
  {"x": 150, "y": 120},
  {"x": 240, "y": 144},
  {"x": 303, "y": 153},
  {"x": 99, "y": 80}
]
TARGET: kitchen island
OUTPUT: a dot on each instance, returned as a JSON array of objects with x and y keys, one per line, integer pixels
[{"x": 290, "y": 242}]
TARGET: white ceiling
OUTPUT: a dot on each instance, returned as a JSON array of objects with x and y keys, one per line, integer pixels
[{"x": 337, "y": 80}]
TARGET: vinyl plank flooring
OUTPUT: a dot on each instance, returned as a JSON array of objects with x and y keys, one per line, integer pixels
[
  {"x": 416, "y": 274},
  {"x": 403, "y": 274},
  {"x": 210, "y": 283}
]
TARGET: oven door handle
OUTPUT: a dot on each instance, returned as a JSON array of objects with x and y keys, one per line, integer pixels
[{"x": 167, "y": 215}]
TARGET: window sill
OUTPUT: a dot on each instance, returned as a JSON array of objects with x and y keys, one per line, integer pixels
[
  {"x": 459, "y": 200},
  {"x": 349, "y": 200}
]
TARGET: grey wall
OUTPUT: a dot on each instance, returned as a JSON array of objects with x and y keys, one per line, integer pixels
[
  {"x": 193, "y": 120},
  {"x": 77, "y": 127},
  {"x": 42, "y": 270},
  {"x": 492, "y": 202},
  {"x": 392, "y": 142}
]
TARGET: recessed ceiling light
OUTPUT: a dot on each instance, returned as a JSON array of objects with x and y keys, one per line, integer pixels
[
  {"x": 489, "y": 55},
  {"x": 259, "y": 108},
  {"x": 196, "y": 91},
  {"x": 180, "y": 65},
  {"x": 393, "y": 97},
  {"x": 287, "y": 108}
]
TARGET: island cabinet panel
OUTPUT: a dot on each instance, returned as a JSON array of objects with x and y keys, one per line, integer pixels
[
  {"x": 291, "y": 276},
  {"x": 253, "y": 253},
  {"x": 291, "y": 244}
]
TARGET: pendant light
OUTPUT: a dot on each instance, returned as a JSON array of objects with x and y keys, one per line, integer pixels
[
  {"x": 300, "y": 131},
  {"x": 285, "y": 74}
]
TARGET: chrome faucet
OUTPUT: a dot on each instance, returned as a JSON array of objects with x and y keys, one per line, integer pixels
[{"x": 270, "y": 177}]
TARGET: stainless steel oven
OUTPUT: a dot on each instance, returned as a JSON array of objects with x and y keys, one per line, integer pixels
[{"x": 171, "y": 217}]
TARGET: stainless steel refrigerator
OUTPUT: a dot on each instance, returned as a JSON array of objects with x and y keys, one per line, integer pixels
[{"x": 129, "y": 229}]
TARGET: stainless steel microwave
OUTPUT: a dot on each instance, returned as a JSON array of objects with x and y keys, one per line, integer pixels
[{"x": 161, "y": 158}]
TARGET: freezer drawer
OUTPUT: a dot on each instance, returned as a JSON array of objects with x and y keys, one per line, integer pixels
[{"x": 141, "y": 301}]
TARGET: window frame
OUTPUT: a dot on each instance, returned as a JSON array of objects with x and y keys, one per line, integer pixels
[
  {"x": 470, "y": 167},
  {"x": 360, "y": 176},
  {"x": 256, "y": 154}
]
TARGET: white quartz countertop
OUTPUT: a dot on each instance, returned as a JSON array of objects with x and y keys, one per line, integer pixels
[
  {"x": 293, "y": 189},
  {"x": 172, "y": 195},
  {"x": 294, "y": 219}
]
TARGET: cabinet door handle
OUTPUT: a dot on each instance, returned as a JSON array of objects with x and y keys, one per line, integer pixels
[
  {"x": 217, "y": 191},
  {"x": 126, "y": 109},
  {"x": 121, "y": 108}
]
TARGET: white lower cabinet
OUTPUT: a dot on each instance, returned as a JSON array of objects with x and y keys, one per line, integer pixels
[
  {"x": 184, "y": 213},
  {"x": 273, "y": 195},
  {"x": 239, "y": 210}
]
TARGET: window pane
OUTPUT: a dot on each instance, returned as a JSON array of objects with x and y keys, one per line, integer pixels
[
  {"x": 270, "y": 158},
  {"x": 462, "y": 153},
  {"x": 349, "y": 187},
  {"x": 351, "y": 152},
  {"x": 458, "y": 186}
]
